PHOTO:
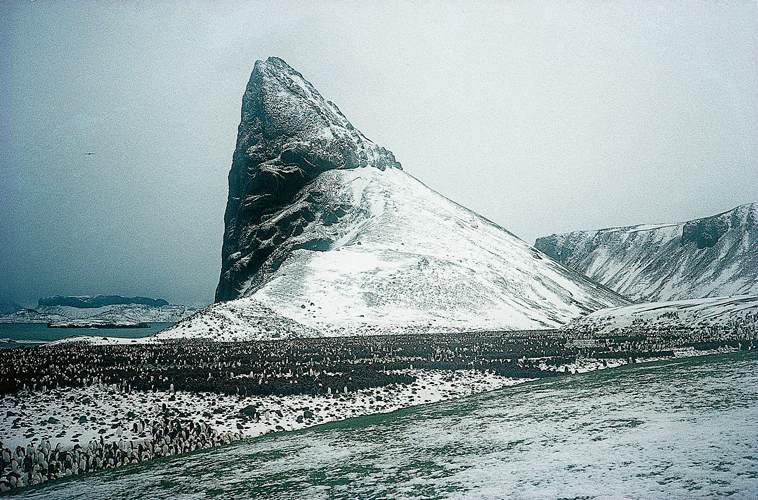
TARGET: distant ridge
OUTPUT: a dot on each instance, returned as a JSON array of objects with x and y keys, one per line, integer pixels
[
  {"x": 708, "y": 257},
  {"x": 97, "y": 301},
  {"x": 99, "y": 308}
]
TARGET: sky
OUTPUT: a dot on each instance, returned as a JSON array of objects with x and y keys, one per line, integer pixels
[{"x": 544, "y": 117}]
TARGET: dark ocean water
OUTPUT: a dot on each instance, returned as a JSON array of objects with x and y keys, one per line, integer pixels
[
  {"x": 684, "y": 429},
  {"x": 35, "y": 333}
]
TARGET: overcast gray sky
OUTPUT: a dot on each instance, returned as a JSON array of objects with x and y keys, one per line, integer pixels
[{"x": 543, "y": 117}]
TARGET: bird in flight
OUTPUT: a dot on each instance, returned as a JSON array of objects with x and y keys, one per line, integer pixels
[{"x": 89, "y": 154}]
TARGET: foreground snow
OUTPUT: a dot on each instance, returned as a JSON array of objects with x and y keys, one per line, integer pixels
[
  {"x": 47, "y": 434},
  {"x": 139, "y": 425}
]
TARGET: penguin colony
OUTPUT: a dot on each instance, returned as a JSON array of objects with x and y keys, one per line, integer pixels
[
  {"x": 281, "y": 367},
  {"x": 36, "y": 465},
  {"x": 313, "y": 365},
  {"x": 316, "y": 366}
]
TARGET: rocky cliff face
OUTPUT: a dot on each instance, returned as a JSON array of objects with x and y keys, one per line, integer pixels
[
  {"x": 287, "y": 137},
  {"x": 708, "y": 257}
]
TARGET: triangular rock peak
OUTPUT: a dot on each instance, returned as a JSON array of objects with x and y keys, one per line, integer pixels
[
  {"x": 325, "y": 231},
  {"x": 288, "y": 135}
]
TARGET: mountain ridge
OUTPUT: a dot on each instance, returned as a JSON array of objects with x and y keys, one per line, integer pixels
[
  {"x": 111, "y": 308},
  {"x": 92, "y": 301},
  {"x": 705, "y": 257}
]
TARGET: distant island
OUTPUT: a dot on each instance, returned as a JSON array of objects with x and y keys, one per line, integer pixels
[
  {"x": 104, "y": 311},
  {"x": 96, "y": 323},
  {"x": 97, "y": 301}
]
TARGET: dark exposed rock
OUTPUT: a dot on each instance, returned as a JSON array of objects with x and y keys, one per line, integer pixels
[
  {"x": 96, "y": 323},
  {"x": 551, "y": 246},
  {"x": 704, "y": 232},
  {"x": 98, "y": 301},
  {"x": 287, "y": 137}
]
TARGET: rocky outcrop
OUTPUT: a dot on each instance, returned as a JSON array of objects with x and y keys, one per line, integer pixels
[
  {"x": 708, "y": 257},
  {"x": 288, "y": 136},
  {"x": 706, "y": 232},
  {"x": 97, "y": 301}
]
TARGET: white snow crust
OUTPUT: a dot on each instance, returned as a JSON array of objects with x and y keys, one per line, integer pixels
[{"x": 56, "y": 415}]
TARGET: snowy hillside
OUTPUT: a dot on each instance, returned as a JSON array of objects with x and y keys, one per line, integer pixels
[
  {"x": 29, "y": 316},
  {"x": 709, "y": 257},
  {"x": 242, "y": 319},
  {"x": 404, "y": 258},
  {"x": 695, "y": 314},
  {"x": 358, "y": 246}
]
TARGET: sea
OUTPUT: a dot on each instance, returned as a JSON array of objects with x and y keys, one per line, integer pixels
[
  {"x": 683, "y": 429},
  {"x": 28, "y": 334}
]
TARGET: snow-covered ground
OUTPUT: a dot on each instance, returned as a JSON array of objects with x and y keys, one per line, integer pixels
[
  {"x": 69, "y": 416},
  {"x": 118, "y": 425},
  {"x": 725, "y": 312},
  {"x": 114, "y": 424}
]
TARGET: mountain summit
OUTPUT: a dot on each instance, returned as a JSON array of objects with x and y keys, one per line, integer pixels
[
  {"x": 327, "y": 235},
  {"x": 287, "y": 137}
]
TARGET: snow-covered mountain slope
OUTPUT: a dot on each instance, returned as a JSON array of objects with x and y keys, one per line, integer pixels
[
  {"x": 403, "y": 258},
  {"x": 357, "y": 247},
  {"x": 709, "y": 257},
  {"x": 739, "y": 312},
  {"x": 29, "y": 316},
  {"x": 241, "y": 319}
]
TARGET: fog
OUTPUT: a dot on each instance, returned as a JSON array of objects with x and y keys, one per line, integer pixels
[{"x": 119, "y": 120}]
